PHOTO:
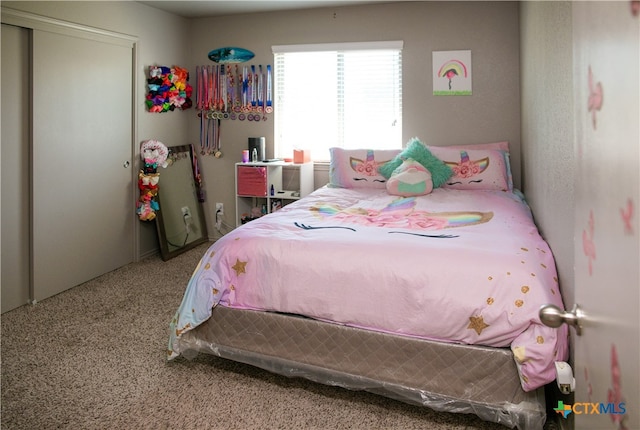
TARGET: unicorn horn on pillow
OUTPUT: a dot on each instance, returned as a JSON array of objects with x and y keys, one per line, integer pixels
[
  {"x": 468, "y": 168},
  {"x": 368, "y": 167}
]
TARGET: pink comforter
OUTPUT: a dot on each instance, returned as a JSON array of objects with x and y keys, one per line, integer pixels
[{"x": 456, "y": 266}]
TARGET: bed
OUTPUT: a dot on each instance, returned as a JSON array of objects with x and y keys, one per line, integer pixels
[{"x": 430, "y": 298}]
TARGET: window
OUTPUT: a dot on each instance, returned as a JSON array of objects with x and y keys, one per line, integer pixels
[{"x": 347, "y": 95}]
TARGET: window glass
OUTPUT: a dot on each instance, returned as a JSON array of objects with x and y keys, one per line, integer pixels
[{"x": 343, "y": 95}]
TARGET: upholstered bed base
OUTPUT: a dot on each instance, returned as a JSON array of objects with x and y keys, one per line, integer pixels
[{"x": 442, "y": 376}]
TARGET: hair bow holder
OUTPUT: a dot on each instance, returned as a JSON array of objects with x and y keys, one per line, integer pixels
[{"x": 153, "y": 154}]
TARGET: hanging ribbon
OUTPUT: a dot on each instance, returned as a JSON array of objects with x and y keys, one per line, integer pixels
[{"x": 226, "y": 92}]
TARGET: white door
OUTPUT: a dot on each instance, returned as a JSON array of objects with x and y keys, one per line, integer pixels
[
  {"x": 607, "y": 283},
  {"x": 82, "y": 198}
]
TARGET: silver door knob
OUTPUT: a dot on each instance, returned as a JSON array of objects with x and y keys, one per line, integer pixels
[{"x": 553, "y": 316}]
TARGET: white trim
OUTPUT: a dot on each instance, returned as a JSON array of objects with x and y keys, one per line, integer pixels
[
  {"x": 342, "y": 46},
  {"x": 135, "y": 151},
  {"x": 53, "y": 25}
]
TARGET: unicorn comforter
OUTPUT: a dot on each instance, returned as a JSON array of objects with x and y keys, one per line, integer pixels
[{"x": 456, "y": 266}]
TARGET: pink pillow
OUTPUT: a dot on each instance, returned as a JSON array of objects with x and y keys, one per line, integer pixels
[
  {"x": 499, "y": 146},
  {"x": 474, "y": 169},
  {"x": 358, "y": 168}
]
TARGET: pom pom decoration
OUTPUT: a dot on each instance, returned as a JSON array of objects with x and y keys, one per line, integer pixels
[
  {"x": 169, "y": 89},
  {"x": 154, "y": 153}
]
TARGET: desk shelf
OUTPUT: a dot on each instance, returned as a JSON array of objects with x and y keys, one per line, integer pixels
[{"x": 253, "y": 186}]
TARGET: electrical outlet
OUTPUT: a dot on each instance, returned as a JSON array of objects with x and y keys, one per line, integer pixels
[
  {"x": 186, "y": 211},
  {"x": 220, "y": 208}
]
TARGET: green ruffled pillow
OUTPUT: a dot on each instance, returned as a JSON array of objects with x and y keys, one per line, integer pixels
[{"x": 417, "y": 150}]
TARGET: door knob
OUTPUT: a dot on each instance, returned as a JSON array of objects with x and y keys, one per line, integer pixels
[{"x": 553, "y": 316}]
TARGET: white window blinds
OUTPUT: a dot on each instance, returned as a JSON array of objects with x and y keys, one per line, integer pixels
[{"x": 347, "y": 95}]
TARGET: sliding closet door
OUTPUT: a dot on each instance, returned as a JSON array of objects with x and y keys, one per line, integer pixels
[
  {"x": 82, "y": 151},
  {"x": 15, "y": 167}
]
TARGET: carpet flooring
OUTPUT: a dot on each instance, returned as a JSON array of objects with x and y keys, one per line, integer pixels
[{"x": 94, "y": 357}]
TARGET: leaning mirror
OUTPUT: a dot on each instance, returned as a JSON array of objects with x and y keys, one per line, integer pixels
[{"x": 180, "y": 220}]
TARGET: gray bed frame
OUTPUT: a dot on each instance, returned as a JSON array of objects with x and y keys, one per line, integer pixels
[{"x": 442, "y": 376}]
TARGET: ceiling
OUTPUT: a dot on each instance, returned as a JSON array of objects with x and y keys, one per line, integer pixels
[{"x": 209, "y": 8}]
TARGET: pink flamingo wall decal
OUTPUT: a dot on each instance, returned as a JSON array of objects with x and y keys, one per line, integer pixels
[
  {"x": 595, "y": 98},
  {"x": 614, "y": 394},
  {"x": 627, "y": 217}
]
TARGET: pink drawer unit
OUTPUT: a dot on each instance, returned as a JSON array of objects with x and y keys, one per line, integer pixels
[{"x": 252, "y": 181}]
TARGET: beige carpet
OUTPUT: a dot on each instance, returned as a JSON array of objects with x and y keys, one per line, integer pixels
[{"x": 93, "y": 357}]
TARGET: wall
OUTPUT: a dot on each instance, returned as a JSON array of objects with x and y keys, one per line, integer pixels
[
  {"x": 547, "y": 128},
  {"x": 492, "y": 113},
  {"x": 162, "y": 41}
]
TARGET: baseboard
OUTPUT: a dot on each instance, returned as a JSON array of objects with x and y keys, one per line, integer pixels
[{"x": 150, "y": 253}]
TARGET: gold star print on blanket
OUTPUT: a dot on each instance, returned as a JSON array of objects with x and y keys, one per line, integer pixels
[
  {"x": 239, "y": 267},
  {"x": 477, "y": 324}
]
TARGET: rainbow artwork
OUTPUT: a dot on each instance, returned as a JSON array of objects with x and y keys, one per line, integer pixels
[{"x": 451, "y": 73}]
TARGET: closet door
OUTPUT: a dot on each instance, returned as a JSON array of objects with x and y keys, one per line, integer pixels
[
  {"x": 82, "y": 195},
  {"x": 15, "y": 167}
]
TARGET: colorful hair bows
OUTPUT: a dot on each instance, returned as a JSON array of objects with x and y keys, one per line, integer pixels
[{"x": 168, "y": 88}]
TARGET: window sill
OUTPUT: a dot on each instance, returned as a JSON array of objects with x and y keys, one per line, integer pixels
[{"x": 321, "y": 166}]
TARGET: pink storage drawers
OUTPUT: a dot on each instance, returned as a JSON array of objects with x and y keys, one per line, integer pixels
[{"x": 252, "y": 181}]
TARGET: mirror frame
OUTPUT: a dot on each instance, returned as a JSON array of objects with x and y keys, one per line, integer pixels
[{"x": 165, "y": 253}]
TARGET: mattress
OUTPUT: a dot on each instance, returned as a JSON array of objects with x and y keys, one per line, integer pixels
[
  {"x": 443, "y": 376},
  {"x": 456, "y": 266}
]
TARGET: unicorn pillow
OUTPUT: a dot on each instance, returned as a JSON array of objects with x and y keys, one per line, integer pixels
[
  {"x": 503, "y": 147},
  {"x": 410, "y": 179},
  {"x": 474, "y": 169},
  {"x": 358, "y": 168}
]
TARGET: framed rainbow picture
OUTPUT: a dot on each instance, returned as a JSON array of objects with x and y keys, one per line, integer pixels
[{"x": 451, "y": 73}]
